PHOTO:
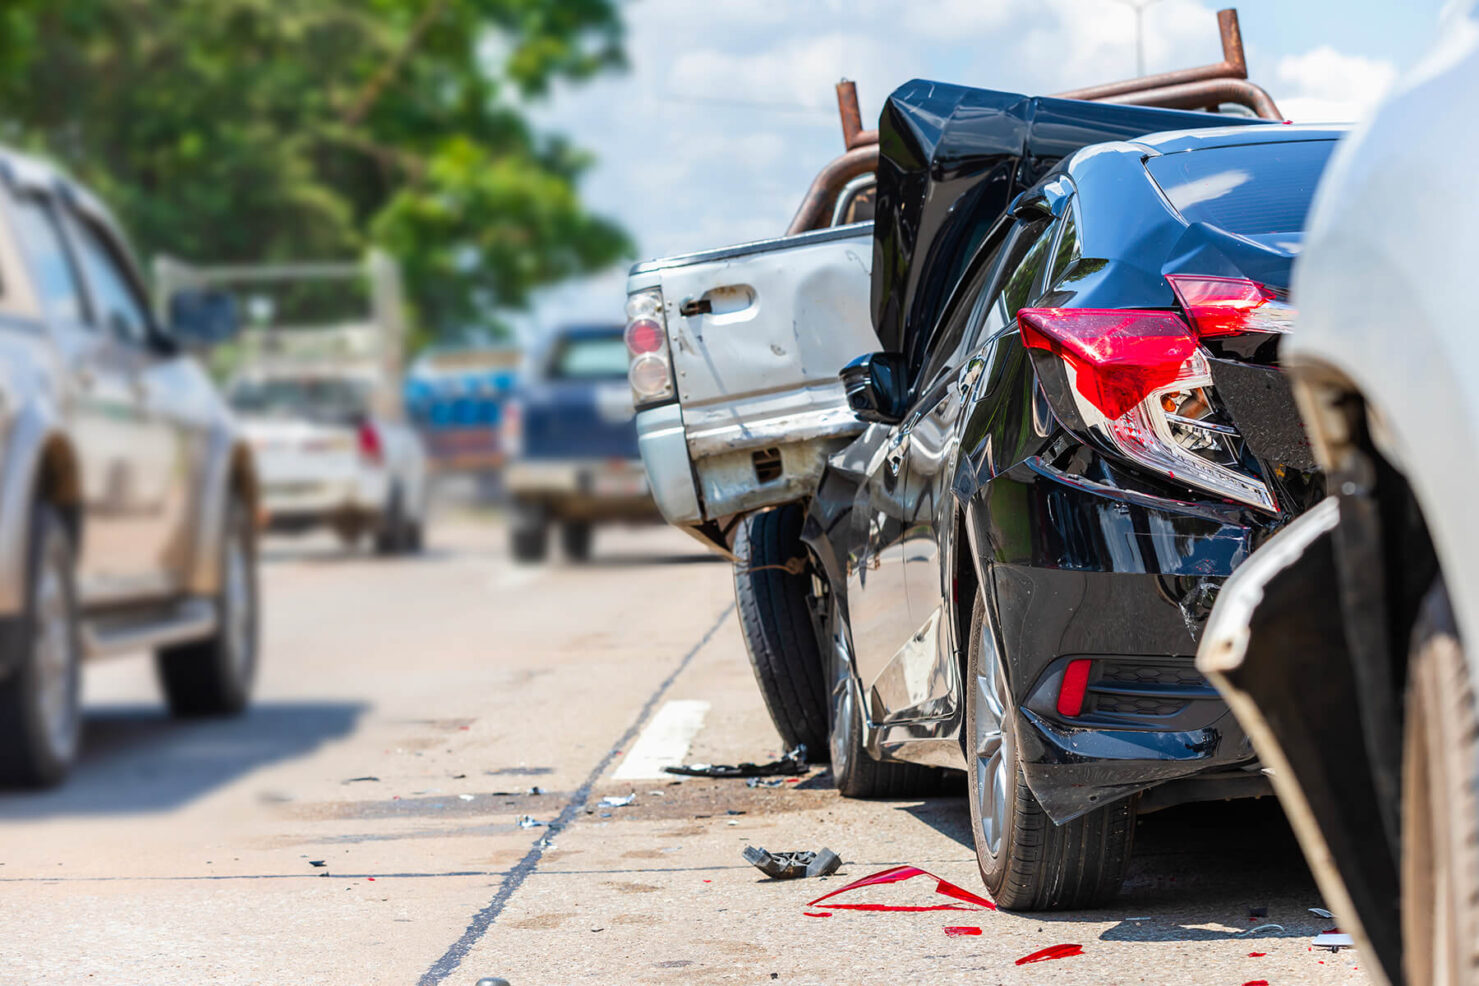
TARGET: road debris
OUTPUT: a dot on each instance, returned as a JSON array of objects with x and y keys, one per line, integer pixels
[
  {"x": 1051, "y": 952},
  {"x": 318, "y": 862},
  {"x": 792, "y": 865},
  {"x": 1256, "y": 955},
  {"x": 898, "y": 874},
  {"x": 792, "y": 764},
  {"x": 958, "y": 931},
  {"x": 466, "y": 797},
  {"x": 1262, "y": 927},
  {"x": 612, "y": 801},
  {"x": 492, "y": 981},
  {"x": 356, "y": 780},
  {"x": 757, "y": 782},
  {"x": 817, "y": 914},
  {"x": 528, "y": 822},
  {"x": 1334, "y": 939},
  {"x": 1320, "y": 912}
]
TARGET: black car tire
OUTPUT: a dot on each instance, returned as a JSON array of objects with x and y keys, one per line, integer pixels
[
  {"x": 1035, "y": 864},
  {"x": 1440, "y": 808},
  {"x": 855, "y": 772},
  {"x": 528, "y": 532},
  {"x": 775, "y": 619},
  {"x": 214, "y": 676},
  {"x": 393, "y": 535},
  {"x": 575, "y": 539},
  {"x": 38, "y": 745}
]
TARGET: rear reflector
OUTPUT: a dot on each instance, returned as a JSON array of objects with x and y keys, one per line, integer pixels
[
  {"x": 1119, "y": 355},
  {"x": 1075, "y": 683},
  {"x": 1230, "y": 306}
]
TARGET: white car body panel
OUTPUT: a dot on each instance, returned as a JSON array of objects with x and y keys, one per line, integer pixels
[{"x": 1377, "y": 301}]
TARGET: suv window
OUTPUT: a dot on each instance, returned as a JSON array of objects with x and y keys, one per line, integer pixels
[
  {"x": 118, "y": 305},
  {"x": 591, "y": 358},
  {"x": 52, "y": 270}
]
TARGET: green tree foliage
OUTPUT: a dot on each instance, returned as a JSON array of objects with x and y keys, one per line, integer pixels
[{"x": 273, "y": 130}]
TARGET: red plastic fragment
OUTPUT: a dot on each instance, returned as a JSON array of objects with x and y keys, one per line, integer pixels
[
  {"x": 1052, "y": 952},
  {"x": 1256, "y": 982},
  {"x": 958, "y": 931},
  {"x": 370, "y": 878},
  {"x": 1256, "y": 955},
  {"x": 817, "y": 914},
  {"x": 898, "y": 874}
]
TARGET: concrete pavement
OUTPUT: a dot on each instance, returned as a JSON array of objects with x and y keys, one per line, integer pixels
[{"x": 409, "y": 710}]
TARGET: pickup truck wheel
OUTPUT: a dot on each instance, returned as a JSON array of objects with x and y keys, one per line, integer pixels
[
  {"x": 775, "y": 617},
  {"x": 214, "y": 676},
  {"x": 1027, "y": 862},
  {"x": 40, "y": 702},
  {"x": 1440, "y": 808},
  {"x": 528, "y": 531},
  {"x": 575, "y": 539}
]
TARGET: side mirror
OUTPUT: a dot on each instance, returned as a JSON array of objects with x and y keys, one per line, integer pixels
[
  {"x": 201, "y": 318},
  {"x": 875, "y": 387}
]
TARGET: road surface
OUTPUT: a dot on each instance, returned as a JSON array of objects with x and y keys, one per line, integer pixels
[{"x": 411, "y": 712}]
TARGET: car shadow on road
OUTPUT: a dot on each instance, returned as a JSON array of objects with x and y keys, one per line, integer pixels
[
  {"x": 620, "y": 559},
  {"x": 1198, "y": 873},
  {"x": 136, "y": 758}
]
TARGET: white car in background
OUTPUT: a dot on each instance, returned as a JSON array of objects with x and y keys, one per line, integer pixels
[
  {"x": 327, "y": 458},
  {"x": 1341, "y": 643}
]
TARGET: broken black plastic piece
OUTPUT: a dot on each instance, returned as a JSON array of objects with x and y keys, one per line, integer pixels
[
  {"x": 792, "y": 764},
  {"x": 793, "y": 865}
]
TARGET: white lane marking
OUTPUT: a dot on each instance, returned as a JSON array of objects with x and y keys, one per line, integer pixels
[{"x": 664, "y": 743}]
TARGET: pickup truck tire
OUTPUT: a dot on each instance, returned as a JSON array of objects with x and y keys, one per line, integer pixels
[
  {"x": 1440, "y": 808},
  {"x": 1027, "y": 862},
  {"x": 528, "y": 532},
  {"x": 214, "y": 676},
  {"x": 775, "y": 617},
  {"x": 394, "y": 533},
  {"x": 575, "y": 539},
  {"x": 40, "y": 701}
]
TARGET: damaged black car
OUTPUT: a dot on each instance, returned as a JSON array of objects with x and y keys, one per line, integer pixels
[{"x": 1077, "y": 429}]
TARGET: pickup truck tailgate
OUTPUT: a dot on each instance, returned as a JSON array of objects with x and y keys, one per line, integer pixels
[{"x": 757, "y": 335}]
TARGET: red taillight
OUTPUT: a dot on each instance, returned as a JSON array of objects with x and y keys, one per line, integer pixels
[
  {"x": 1119, "y": 356},
  {"x": 643, "y": 336},
  {"x": 369, "y": 443},
  {"x": 1228, "y": 306},
  {"x": 1075, "y": 684}
]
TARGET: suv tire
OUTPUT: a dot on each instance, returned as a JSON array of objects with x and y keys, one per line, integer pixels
[
  {"x": 214, "y": 676},
  {"x": 775, "y": 617},
  {"x": 575, "y": 539},
  {"x": 40, "y": 701},
  {"x": 1027, "y": 862}
]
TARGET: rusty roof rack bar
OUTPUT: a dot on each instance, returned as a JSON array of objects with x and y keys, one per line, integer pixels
[{"x": 1204, "y": 87}]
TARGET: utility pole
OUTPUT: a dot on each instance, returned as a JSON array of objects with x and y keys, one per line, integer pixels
[{"x": 1139, "y": 7}]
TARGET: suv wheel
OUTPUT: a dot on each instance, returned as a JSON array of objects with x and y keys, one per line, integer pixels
[
  {"x": 575, "y": 539},
  {"x": 1440, "y": 816},
  {"x": 214, "y": 676},
  {"x": 528, "y": 532},
  {"x": 771, "y": 592},
  {"x": 1027, "y": 862},
  {"x": 394, "y": 533},
  {"x": 40, "y": 702}
]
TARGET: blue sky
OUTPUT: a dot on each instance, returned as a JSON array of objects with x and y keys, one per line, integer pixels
[{"x": 727, "y": 111}]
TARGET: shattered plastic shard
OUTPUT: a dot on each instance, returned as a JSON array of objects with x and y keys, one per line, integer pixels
[
  {"x": 1052, "y": 952},
  {"x": 1334, "y": 939},
  {"x": 791, "y": 865},
  {"x": 957, "y": 931},
  {"x": 528, "y": 822},
  {"x": 611, "y": 801},
  {"x": 793, "y": 763},
  {"x": 1320, "y": 912},
  {"x": 897, "y": 875}
]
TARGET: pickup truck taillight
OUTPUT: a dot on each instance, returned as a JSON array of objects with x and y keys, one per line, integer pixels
[
  {"x": 1141, "y": 383},
  {"x": 370, "y": 448},
  {"x": 651, "y": 369}
]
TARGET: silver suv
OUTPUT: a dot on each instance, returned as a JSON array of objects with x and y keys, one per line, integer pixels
[{"x": 127, "y": 499}]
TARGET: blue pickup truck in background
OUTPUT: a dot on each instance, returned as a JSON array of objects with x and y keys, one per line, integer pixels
[{"x": 571, "y": 440}]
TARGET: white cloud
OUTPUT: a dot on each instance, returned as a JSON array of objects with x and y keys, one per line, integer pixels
[{"x": 1325, "y": 85}]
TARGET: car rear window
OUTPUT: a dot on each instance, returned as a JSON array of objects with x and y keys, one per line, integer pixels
[
  {"x": 315, "y": 398},
  {"x": 591, "y": 358},
  {"x": 1250, "y": 189}
]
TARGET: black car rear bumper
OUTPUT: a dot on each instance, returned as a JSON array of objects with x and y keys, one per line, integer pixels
[{"x": 1125, "y": 579}]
